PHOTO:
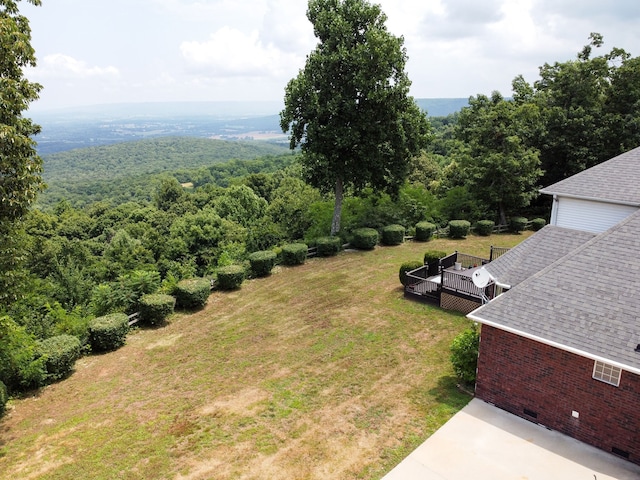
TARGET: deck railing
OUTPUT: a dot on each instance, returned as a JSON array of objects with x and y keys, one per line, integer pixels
[
  {"x": 461, "y": 283},
  {"x": 497, "y": 252}
]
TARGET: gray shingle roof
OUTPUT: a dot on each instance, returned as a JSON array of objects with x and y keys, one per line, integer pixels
[
  {"x": 587, "y": 302},
  {"x": 535, "y": 253},
  {"x": 616, "y": 180}
]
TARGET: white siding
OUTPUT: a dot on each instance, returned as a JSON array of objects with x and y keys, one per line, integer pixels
[{"x": 589, "y": 216}]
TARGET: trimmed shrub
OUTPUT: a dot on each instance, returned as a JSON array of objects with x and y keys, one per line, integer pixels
[
  {"x": 485, "y": 227},
  {"x": 393, "y": 235},
  {"x": 230, "y": 277},
  {"x": 537, "y": 224},
  {"x": 431, "y": 256},
  {"x": 4, "y": 398},
  {"x": 294, "y": 253},
  {"x": 518, "y": 224},
  {"x": 464, "y": 355},
  {"x": 192, "y": 292},
  {"x": 459, "y": 228},
  {"x": 60, "y": 354},
  {"x": 262, "y": 262},
  {"x": 365, "y": 238},
  {"x": 155, "y": 308},
  {"x": 425, "y": 231},
  {"x": 407, "y": 267},
  {"x": 328, "y": 246},
  {"x": 108, "y": 332}
]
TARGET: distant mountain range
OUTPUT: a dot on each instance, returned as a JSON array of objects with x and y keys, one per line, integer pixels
[{"x": 80, "y": 127}]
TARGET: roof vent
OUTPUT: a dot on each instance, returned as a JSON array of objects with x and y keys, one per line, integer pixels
[{"x": 637, "y": 349}]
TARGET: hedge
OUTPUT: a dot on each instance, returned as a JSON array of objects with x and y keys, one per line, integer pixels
[
  {"x": 431, "y": 256},
  {"x": 60, "y": 354},
  {"x": 192, "y": 292},
  {"x": 108, "y": 332},
  {"x": 155, "y": 308},
  {"x": 230, "y": 277},
  {"x": 459, "y": 228},
  {"x": 4, "y": 398},
  {"x": 393, "y": 235},
  {"x": 425, "y": 231},
  {"x": 365, "y": 238},
  {"x": 485, "y": 227},
  {"x": 518, "y": 224},
  {"x": 407, "y": 267},
  {"x": 328, "y": 246},
  {"x": 537, "y": 224},
  {"x": 294, "y": 253},
  {"x": 262, "y": 262},
  {"x": 464, "y": 355}
]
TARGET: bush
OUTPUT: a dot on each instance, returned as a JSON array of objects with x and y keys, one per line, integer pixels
[
  {"x": 60, "y": 354},
  {"x": 294, "y": 253},
  {"x": 4, "y": 398},
  {"x": 393, "y": 235},
  {"x": 155, "y": 308},
  {"x": 407, "y": 267},
  {"x": 537, "y": 224},
  {"x": 464, "y": 355},
  {"x": 431, "y": 256},
  {"x": 108, "y": 332},
  {"x": 21, "y": 367},
  {"x": 425, "y": 231},
  {"x": 459, "y": 228},
  {"x": 192, "y": 292},
  {"x": 328, "y": 246},
  {"x": 262, "y": 262},
  {"x": 365, "y": 238},
  {"x": 230, "y": 277},
  {"x": 518, "y": 224},
  {"x": 485, "y": 227}
]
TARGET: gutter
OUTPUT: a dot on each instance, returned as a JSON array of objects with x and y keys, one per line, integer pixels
[
  {"x": 591, "y": 199},
  {"x": 473, "y": 316}
]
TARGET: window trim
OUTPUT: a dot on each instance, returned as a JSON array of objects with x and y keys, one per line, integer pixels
[{"x": 607, "y": 373}]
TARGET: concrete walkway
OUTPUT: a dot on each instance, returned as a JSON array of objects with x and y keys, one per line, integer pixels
[{"x": 482, "y": 442}]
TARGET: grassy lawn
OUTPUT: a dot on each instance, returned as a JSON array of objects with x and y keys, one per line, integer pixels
[{"x": 320, "y": 371}]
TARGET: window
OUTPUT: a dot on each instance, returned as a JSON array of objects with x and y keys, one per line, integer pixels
[{"x": 607, "y": 373}]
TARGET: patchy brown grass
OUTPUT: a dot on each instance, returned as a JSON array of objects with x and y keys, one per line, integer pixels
[{"x": 319, "y": 371}]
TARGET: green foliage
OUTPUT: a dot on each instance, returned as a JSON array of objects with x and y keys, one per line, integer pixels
[
  {"x": 230, "y": 277},
  {"x": 459, "y": 228},
  {"x": 108, "y": 332},
  {"x": 328, "y": 246},
  {"x": 485, "y": 227},
  {"x": 353, "y": 86},
  {"x": 464, "y": 355},
  {"x": 192, "y": 292},
  {"x": 20, "y": 365},
  {"x": 431, "y": 256},
  {"x": 4, "y": 398},
  {"x": 155, "y": 308},
  {"x": 294, "y": 253},
  {"x": 262, "y": 262},
  {"x": 124, "y": 294},
  {"x": 60, "y": 354},
  {"x": 407, "y": 267},
  {"x": 537, "y": 224},
  {"x": 393, "y": 235},
  {"x": 364, "y": 238},
  {"x": 517, "y": 224},
  {"x": 424, "y": 231}
]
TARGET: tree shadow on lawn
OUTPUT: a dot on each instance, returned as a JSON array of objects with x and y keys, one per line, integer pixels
[{"x": 451, "y": 392}]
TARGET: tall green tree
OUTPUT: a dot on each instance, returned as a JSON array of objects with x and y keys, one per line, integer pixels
[
  {"x": 349, "y": 108},
  {"x": 501, "y": 170},
  {"x": 20, "y": 166}
]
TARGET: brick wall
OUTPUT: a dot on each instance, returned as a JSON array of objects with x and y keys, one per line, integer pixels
[{"x": 545, "y": 385}]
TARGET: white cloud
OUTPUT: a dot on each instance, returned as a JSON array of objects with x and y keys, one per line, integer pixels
[{"x": 58, "y": 65}]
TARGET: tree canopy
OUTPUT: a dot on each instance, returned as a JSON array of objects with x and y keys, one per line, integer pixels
[{"x": 349, "y": 108}]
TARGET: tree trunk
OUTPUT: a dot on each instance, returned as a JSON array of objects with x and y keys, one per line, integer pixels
[
  {"x": 337, "y": 209},
  {"x": 502, "y": 213}
]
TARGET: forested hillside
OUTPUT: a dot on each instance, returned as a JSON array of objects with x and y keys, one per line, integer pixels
[{"x": 149, "y": 156}]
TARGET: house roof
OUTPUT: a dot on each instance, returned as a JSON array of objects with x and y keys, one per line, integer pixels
[
  {"x": 535, "y": 253},
  {"x": 587, "y": 302},
  {"x": 615, "y": 181}
]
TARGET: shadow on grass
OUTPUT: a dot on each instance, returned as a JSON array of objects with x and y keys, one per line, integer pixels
[{"x": 450, "y": 392}]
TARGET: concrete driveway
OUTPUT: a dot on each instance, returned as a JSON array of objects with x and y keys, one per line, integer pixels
[{"x": 482, "y": 442}]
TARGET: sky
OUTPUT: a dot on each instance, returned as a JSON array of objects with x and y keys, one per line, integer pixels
[{"x": 95, "y": 52}]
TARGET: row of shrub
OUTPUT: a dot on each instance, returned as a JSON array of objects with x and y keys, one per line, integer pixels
[{"x": 461, "y": 228}]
